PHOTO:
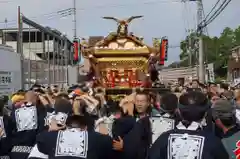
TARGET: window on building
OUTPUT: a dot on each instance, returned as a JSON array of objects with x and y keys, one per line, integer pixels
[
  {"x": 12, "y": 36},
  {"x": 236, "y": 73},
  {"x": 33, "y": 36}
]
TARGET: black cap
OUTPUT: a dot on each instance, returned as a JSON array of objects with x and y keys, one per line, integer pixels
[
  {"x": 193, "y": 106},
  {"x": 63, "y": 105}
]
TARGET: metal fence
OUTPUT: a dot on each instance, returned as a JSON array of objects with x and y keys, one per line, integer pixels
[{"x": 45, "y": 54}]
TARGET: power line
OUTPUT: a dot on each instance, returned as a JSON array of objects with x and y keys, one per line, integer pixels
[
  {"x": 204, "y": 15},
  {"x": 42, "y": 15},
  {"x": 206, "y": 29},
  {"x": 186, "y": 22},
  {"x": 173, "y": 46},
  {"x": 57, "y": 13},
  {"x": 205, "y": 19},
  {"x": 131, "y": 4},
  {"x": 206, "y": 22},
  {"x": 217, "y": 13},
  {"x": 5, "y": 1},
  {"x": 212, "y": 9}
]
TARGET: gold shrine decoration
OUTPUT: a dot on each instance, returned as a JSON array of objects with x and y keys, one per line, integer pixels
[
  {"x": 124, "y": 51},
  {"x": 110, "y": 59},
  {"x": 123, "y": 24},
  {"x": 120, "y": 78},
  {"x": 123, "y": 62}
]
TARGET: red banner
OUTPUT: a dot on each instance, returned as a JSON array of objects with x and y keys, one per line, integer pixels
[
  {"x": 76, "y": 48},
  {"x": 163, "y": 51}
]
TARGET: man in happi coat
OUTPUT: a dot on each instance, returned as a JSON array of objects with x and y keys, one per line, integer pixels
[
  {"x": 27, "y": 123},
  {"x": 75, "y": 141},
  {"x": 136, "y": 142},
  {"x": 59, "y": 116},
  {"x": 167, "y": 118},
  {"x": 5, "y": 132},
  {"x": 189, "y": 140},
  {"x": 225, "y": 119}
]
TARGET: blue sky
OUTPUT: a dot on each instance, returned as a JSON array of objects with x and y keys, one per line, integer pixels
[{"x": 161, "y": 17}]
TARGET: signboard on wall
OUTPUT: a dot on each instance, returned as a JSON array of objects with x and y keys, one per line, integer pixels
[
  {"x": 6, "y": 83},
  {"x": 210, "y": 73}
]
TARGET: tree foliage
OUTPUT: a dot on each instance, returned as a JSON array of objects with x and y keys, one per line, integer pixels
[{"x": 216, "y": 49}]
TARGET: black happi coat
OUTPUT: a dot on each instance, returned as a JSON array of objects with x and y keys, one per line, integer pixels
[
  {"x": 43, "y": 114},
  {"x": 5, "y": 140},
  {"x": 35, "y": 154},
  {"x": 94, "y": 145},
  {"x": 61, "y": 118},
  {"x": 120, "y": 128},
  {"x": 28, "y": 121},
  {"x": 209, "y": 121},
  {"x": 162, "y": 123},
  {"x": 203, "y": 144},
  {"x": 138, "y": 140}
]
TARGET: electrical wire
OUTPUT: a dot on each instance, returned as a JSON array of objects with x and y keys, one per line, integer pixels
[
  {"x": 186, "y": 16},
  {"x": 204, "y": 16},
  {"x": 185, "y": 19},
  {"x": 56, "y": 13},
  {"x": 206, "y": 22},
  {"x": 205, "y": 19},
  {"x": 193, "y": 16},
  {"x": 130, "y": 4},
  {"x": 217, "y": 13},
  {"x": 67, "y": 12},
  {"x": 212, "y": 9},
  {"x": 42, "y": 15},
  {"x": 5, "y": 1},
  {"x": 205, "y": 28}
]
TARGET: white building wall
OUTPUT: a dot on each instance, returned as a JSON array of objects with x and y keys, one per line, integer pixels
[
  {"x": 10, "y": 67},
  {"x": 39, "y": 68},
  {"x": 72, "y": 75},
  {"x": 30, "y": 49}
]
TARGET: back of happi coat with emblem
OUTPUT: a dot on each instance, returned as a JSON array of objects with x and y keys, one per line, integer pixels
[{"x": 160, "y": 125}]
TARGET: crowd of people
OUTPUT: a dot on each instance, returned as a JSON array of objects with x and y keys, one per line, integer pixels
[{"x": 191, "y": 122}]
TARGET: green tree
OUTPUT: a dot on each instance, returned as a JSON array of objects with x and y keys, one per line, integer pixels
[
  {"x": 237, "y": 36},
  {"x": 189, "y": 42},
  {"x": 216, "y": 49}
]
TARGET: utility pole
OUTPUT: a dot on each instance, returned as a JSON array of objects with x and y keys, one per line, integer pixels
[
  {"x": 6, "y": 23},
  {"x": 190, "y": 48},
  {"x": 74, "y": 20},
  {"x": 201, "y": 71},
  {"x": 75, "y": 30},
  {"x": 20, "y": 46}
]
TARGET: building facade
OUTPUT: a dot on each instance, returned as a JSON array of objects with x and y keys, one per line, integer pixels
[
  {"x": 234, "y": 65},
  {"x": 46, "y": 60},
  {"x": 173, "y": 74}
]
